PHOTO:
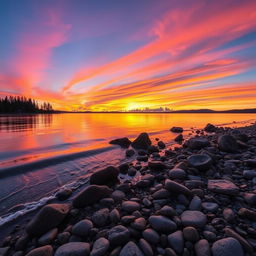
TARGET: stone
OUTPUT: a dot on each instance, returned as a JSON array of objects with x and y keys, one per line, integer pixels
[
  {"x": 227, "y": 143},
  {"x": 21, "y": 243},
  {"x": 176, "y": 129},
  {"x": 82, "y": 228},
  {"x": 156, "y": 165},
  {"x": 49, "y": 217},
  {"x": 139, "y": 224},
  {"x": 114, "y": 216},
  {"x": 161, "y": 144},
  {"x": 118, "y": 235},
  {"x": 100, "y": 217},
  {"x": 90, "y": 195},
  {"x": 202, "y": 248},
  {"x": 48, "y": 237},
  {"x": 161, "y": 194},
  {"x": 229, "y": 215},
  {"x": 227, "y": 247},
  {"x": 142, "y": 142},
  {"x": 63, "y": 237},
  {"x": 249, "y": 174},
  {"x": 177, "y": 173},
  {"x": 195, "y": 203},
  {"x": 169, "y": 252},
  {"x": 145, "y": 247},
  {"x": 191, "y": 234},
  {"x": 167, "y": 211},
  {"x": 100, "y": 247},
  {"x": 225, "y": 187},
  {"x": 118, "y": 196},
  {"x": 162, "y": 224},
  {"x": 132, "y": 171},
  {"x": 106, "y": 176},
  {"x": 73, "y": 248},
  {"x": 179, "y": 138},
  {"x": 195, "y": 219},
  {"x": 151, "y": 236},
  {"x": 201, "y": 162},
  {"x": 247, "y": 214},
  {"x": 129, "y": 152},
  {"x": 176, "y": 241},
  {"x": 250, "y": 198},
  {"x": 46, "y": 250},
  {"x": 131, "y": 249},
  {"x": 4, "y": 251},
  {"x": 123, "y": 168},
  {"x": 197, "y": 143},
  {"x": 177, "y": 188},
  {"x": 63, "y": 194},
  {"x": 123, "y": 142},
  {"x": 210, "y": 128},
  {"x": 130, "y": 206},
  {"x": 210, "y": 206}
]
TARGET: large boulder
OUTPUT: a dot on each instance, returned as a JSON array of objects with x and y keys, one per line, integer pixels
[
  {"x": 227, "y": 143},
  {"x": 123, "y": 142},
  {"x": 142, "y": 141},
  {"x": 90, "y": 195},
  {"x": 49, "y": 217},
  {"x": 201, "y": 162},
  {"x": 107, "y": 176}
]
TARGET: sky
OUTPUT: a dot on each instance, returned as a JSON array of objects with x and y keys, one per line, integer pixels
[{"x": 114, "y": 55}]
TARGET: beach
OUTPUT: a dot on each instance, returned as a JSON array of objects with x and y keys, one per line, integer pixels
[{"x": 196, "y": 197}]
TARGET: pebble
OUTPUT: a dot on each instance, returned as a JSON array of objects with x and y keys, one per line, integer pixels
[
  {"x": 151, "y": 236},
  {"x": 139, "y": 224},
  {"x": 177, "y": 174},
  {"x": 210, "y": 207},
  {"x": 100, "y": 217},
  {"x": 201, "y": 162},
  {"x": 229, "y": 215},
  {"x": 118, "y": 235},
  {"x": 176, "y": 241},
  {"x": 145, "y": 247},
  {"x": 223, "y": 186},
  {"x": 162, "y": 224},
  {"x": 46, "y": 250},
  {"x": 82, "y": 228},
  {"x": 100, "y": 247},
  {"x": 195, "y": 203},
  {"x": 130, "y": 206},
  {"x": 48, "y": 237},
  {"x": 247, "y": 214},
  {"x": 131, "y": 249},
  {"x": 202, "y": 248},
  {"x": 191, "y": 234},
  {"x": 114, "y": 216},
  {"x": 195, "y": 219},
  {"x": 177, "y": 188},
  {"x": 73, "y": 248}
]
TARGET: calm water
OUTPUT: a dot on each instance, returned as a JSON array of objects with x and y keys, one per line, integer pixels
[{"x": 41, "y": 153}]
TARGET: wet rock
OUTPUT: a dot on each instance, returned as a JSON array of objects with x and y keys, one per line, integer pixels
[
  {"x": 202, "y": 162},
  {"x": 118, "y": 235},
  {"x": 177, "y": 188},
  {"x": 100, "y": 217},
  {"x": 73, "y": 248},
  {"x": 91, "y": 195},
  {"x": 142, "y": 142},
  {"x": 210, "y": 128},
  {"x": 227, "y": 247},
  {"x": 100, "y": 247},
  {"x": 247, "y": 214},
  {"x": 145, "y": 247},
  {"x": 64, "y": 194},
  {"x": 48, "y": 237},
  {"x": 202, "y": 248},
  {"x": 227, "y": 143},
  {"x": 197, "y": 143},
  {"x": 151, "y": 236},
  {"x": 167, "y": 211},
  {"x": 106, "y": 176},
  {"x": 229, "y": 215},
  {"x": 123, "y": 168},
  {"x": 130, "y": 206},
  {"x": 195, "y": 219},
  {"x": 132, "y": 171},
  {"x": 176, "y": 241},
  {"x": 195, "y": 203},
  {"x": 114, "y": 216},
  {"x": 129, "y": 152},
  {"x": 210, "y": 206},
  {"x": 49, "y": 217},
  {"x": 161, "y": 194},
  {"x": 161, "y": 144},
  {"x": 177, "y": 173},
  {"x": 162, "y": 224},
  {"x": 46, "y": 250},
  {"x": 131, "y": 249},
  {"x": 123, "y": 142},
  {"x": 156, "y": 165},
  {"x": 118, "y": 196},
  {"x": 176, "y": 129},
  {"x": 82, "y": 228},
  {"x": 225, "y": 187},
  {"x": 191, "y": 234},
  {"x": 179, "y": 138},
  {"x": 139, "y": 224}
]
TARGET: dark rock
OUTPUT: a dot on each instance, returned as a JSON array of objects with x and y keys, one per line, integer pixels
[
  {"x": 91, "y": 195},
  {"x": 64, "y": 194},
  {"x": 201, "y": 162},
  {"x": 161, "y": 144},
  {"x": 195, "y": 203},
  {"x": 63, "y": 237},
  {"x": 21, "y": 243},
  {"x": 123, "y": 142},
  {"x": 202, "y": 248},
  {"x": 107, "y": 176},
  {"x": 4, "y": 251},
  {"x": 177, "y": 173},
  {"x": 247, "y": 214},
  {"x": 176, "y": 129},
  {"x": 250, "y": 198},
  {"x": 139, "y": 224},
  {"x": 210, "y": 206},
  {"x": 142, "y": 141},
  {"x": 197, "y": 143},
  {"x": 169, "y": 252},
  {"x": 251, "y": 163},
  {"x": 100, "y": 247},
  {"x": 114, "y": 216},
  {"x": 49, "y": 217},
  {"x": 130, "y": 206},
  {"x": 73, "y": 248},
  {"x": 176, "y": 241},
  {"x": 161, "y": 194},
  {"x": 195, "y": 219},
  {"x": 151, "y": 236},
  {"x": 227, "y": 143},
  {"x": 156, "y": 165},
  {"x": 118, "y": 235},
  {"x": 210, "y": 128},
  {"x": 167, "y": 211},
  {"x": 225, "y": 187},
  {"x": 191, "y": 234},
  {"x": 145, "y": 247},
  {"x": 131, "y": 249},
  {"x": 249, "y": 174},
  {"x": 100, "y": 217},
  {"x": 227, "y": 247},
  {"x": 178, "y": 138},
  {"x": 132, "y": 171},
  {"x": 118, "y": 196},
  {"x": 162, "y": 224},
  {"x": 129, "y": 152},
  {"x": 48, "y": 237},
  {"x": 123, "y": 168},
  {"x": 177, "y": 188},
  {"x": 46, "y": 250},
  {"x": 82, "y": 228}
]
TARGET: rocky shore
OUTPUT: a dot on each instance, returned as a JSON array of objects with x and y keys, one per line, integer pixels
[{"x": 195, "y": 199}]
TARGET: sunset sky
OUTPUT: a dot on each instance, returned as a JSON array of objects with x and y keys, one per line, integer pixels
[{"x": 121, "y": 55}]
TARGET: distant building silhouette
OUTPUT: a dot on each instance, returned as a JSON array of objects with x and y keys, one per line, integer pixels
[{"x": 20, "y": 104}]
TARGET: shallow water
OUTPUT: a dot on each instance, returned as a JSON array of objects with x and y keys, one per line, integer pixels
[{"x": 41, "y": 153}]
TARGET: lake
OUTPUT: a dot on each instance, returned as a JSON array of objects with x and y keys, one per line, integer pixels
[{"x": 41, "y": 153}]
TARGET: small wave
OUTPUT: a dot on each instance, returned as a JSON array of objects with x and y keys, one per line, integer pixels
[{"x": 249, "y": 121}]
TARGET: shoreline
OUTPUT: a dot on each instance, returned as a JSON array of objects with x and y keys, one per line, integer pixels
[{"x": 159, "y": 203}]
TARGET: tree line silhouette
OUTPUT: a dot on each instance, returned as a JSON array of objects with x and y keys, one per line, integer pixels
[{"x": 20, "y": 104}]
